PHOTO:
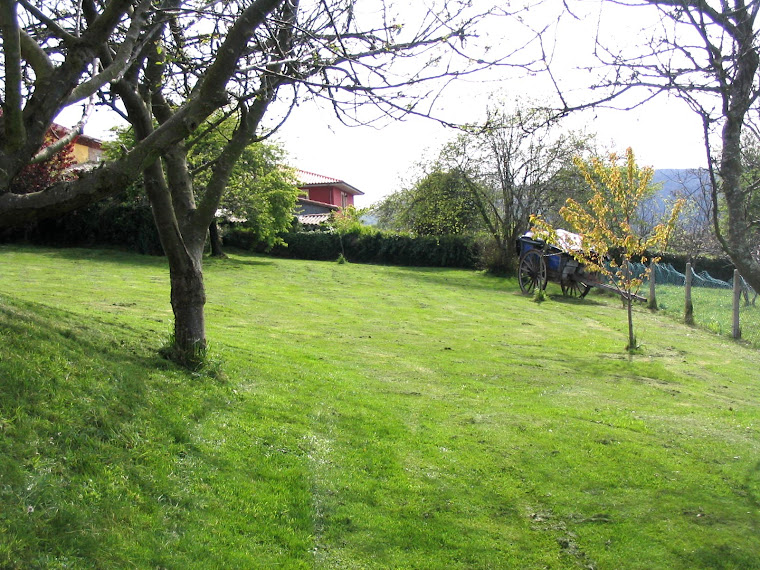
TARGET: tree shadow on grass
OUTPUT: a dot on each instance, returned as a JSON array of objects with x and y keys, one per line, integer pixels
[
  {"x": 89, "y": 419},
  {"x": 101, "y": 254},
  {"x": 106, "y": 254},
  {"x": 62, "y": 330},
  {"x": 238, "y": 258}
]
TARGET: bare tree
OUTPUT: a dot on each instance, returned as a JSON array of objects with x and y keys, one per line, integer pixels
[
  {"x": 168, "y": 65},
  {"x": 693, "y": 234},
  {"x": 517, "y": 165},
  {"x": 706, "y": 53}
]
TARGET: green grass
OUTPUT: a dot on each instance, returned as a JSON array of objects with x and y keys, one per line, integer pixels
[
  {"x": 713, "y": 310},
  {"x": 363, "y": 417}
]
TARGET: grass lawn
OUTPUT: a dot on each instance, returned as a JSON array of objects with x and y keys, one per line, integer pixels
[{"x": 363, "y": 417}]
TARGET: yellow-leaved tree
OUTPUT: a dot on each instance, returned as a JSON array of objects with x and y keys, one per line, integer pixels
[{"x": 607, "y": 226}]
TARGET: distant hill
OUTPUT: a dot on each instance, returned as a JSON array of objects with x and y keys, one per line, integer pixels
[
  {"x": 677, "y": 182},
  {"x": 674, "y": 180}
]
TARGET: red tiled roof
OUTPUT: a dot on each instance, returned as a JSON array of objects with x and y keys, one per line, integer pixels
[
  {"x": 305, "y": 177},
  {"x": 310, "y": 179}
]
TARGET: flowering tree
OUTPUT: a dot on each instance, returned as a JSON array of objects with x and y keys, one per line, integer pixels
[
  {"x": 704, "y": 52},
  {"x": 606, "y": 224}
]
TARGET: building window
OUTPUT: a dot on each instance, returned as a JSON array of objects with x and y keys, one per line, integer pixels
[{"x": 343, "y": 199}]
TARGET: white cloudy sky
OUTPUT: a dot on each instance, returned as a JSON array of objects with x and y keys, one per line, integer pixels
[{"x": 663, "y": 133}]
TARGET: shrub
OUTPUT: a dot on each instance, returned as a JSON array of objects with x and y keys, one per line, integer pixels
[
  {"x": 368, "y": 245},
  {"x": 129, "y": 226}
]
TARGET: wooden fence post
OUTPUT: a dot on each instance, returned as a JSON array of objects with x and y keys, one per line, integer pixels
[
  {"x": 688, "y": 315},
  {"x": 652, "y": 301},
  {"x": 736, "y": 329}
]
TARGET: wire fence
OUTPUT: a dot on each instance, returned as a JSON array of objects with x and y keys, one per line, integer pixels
[{"x": 712, "y": 300}]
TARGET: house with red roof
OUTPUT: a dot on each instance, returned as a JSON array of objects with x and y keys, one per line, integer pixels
[
  {"x": 87, "y": 151},
  {"x": 322, "y": 195}
]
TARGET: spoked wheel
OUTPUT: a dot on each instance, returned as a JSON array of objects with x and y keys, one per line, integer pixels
[
  {"x": 532, "y": 272},
  {"x": 572, "y": 288}
]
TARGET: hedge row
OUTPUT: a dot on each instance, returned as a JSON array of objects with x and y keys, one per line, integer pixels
[
  {"x": 368, "y": 247},
  {"x": 128, "y": 226},
  {"x": 131, "y": 226}
]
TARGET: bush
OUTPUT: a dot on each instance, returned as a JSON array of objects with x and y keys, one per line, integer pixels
[
  {"x": 320, "y": 246},
  {"x": 128, "y": 226},
  {"x": 367, "y": 245},
  {"x": 493, "y": 258}
]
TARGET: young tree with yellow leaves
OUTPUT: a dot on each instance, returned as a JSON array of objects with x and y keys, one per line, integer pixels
[{"x": 607, "y": 225}]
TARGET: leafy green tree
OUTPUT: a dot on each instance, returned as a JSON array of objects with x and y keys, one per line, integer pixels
[
  {"x": 606, "y": 224},
  {"x": 390, "y": 210},
  {"x": 751, "y": 184},
  {"x": 437, "y": 204},
  {"x": 261, "y": 191}
]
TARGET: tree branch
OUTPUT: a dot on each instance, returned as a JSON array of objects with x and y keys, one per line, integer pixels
[
  {"x": 50, "y": 151},
  {"x": 36, "y": 56},
  {"x": 123, "y": 58}
]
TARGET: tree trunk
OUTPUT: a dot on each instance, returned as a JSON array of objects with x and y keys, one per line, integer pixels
[
  {"x": 738, "y": 98},
  {"x": 631, "y": 337},
  {"x": 628, "y": 299},
  {"x": 188, "y": 297},
  {"x": 216, "y": 240},
  {"x": 184, "y": 252}
]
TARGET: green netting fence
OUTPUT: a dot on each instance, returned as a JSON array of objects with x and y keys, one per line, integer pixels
[
  {"x": 666, "y": 274},
  {"x": 712, "y": 300}
]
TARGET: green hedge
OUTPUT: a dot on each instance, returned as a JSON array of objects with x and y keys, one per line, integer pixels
[
  {"x": 127, "y": 226},
  {"x": 367, "y": 247}
]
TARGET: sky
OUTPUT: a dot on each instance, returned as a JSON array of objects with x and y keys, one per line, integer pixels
[
  {"x": 378, "y": 161},
  {"x": 663, "y": 134}
]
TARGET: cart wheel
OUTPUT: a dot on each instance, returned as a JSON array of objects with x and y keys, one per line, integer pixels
[
  {"x": 572, "y": 288},
  {"x": 532, "y": 272}
]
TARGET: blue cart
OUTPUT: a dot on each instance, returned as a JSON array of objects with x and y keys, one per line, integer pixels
[{"x": 541, "y": 262}]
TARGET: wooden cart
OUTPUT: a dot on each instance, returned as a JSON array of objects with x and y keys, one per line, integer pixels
[{"x": 541, "y": 262}]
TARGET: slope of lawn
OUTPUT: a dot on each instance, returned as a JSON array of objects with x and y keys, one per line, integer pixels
[{"x": 360, "y": 416}]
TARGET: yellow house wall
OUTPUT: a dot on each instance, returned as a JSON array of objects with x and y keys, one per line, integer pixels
[{"x": 81, "y": 153}]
